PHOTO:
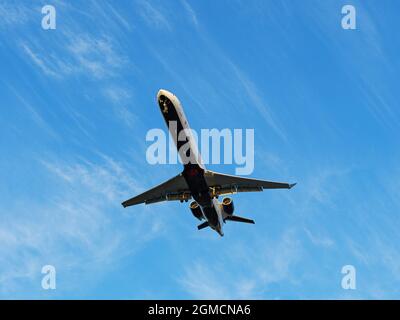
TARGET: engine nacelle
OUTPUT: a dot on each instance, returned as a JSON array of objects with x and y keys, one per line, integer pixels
[
  {"x": 196, "y": 210},
  {"x": 227, "y": 206}
]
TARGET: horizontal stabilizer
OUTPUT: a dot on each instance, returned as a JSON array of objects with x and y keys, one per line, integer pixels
[
  {"x": 239, "y": 219},
  {"x": 203, "y": 225}
]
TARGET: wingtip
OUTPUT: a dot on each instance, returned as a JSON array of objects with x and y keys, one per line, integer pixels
[{"x": 292, "y": 185}]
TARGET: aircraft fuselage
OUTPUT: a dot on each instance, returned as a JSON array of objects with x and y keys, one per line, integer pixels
[{"x": 193, "y": 171}]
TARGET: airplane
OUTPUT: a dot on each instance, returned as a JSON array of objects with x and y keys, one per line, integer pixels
[{"x": 195, "y": 181}]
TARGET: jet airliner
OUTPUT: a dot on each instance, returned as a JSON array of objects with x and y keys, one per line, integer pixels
[{"x": 195, "y": 181}]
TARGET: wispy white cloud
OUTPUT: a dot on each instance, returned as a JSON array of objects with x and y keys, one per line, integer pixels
[
  {"x": 121, "y": 100},
  {"x": 202, "y": 282},
  {"x": 35, "y": 115},
  {"x": 96, "y": 56},
  {"x": 40, "y": 62},
  {"x": 13, "y": 14},
  {"x": 372, "y": 81},
  {"x": 117, "y": 94},
  {"x": 257, "y": 100},
  {"x": 319, "y": 240},
  {"x": 126, "y": 116},
  {"x": 191, "y": 13},
  {"x": 75, "y": 52},
  {"x": 153, "y": 15},
  {"x": 78, "y": 53},
  {"x": 245, "y": 274},
  {"x": 111, "y": 181},
  {"x": 115, "y": 17},
  {"x": 75, "y": 229},
  {"x": 87, "y": 56},
  {"x": 222, "y": 72}
]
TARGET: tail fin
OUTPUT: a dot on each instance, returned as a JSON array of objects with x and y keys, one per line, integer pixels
[{"x": 239, "y": 219}]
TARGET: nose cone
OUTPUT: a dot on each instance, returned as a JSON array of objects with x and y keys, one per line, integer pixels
[{"x": 162, "y": 94}]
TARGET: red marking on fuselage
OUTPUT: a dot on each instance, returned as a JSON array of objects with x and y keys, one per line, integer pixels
[{"x": 193, "y": 172}]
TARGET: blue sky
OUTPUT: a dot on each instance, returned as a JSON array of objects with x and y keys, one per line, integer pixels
[{"x": 76, "y": 103}]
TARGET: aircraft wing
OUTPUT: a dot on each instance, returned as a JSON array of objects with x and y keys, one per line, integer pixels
[
  {"x": 227, "y": 184},
  {"x": 173, "y": 189}
]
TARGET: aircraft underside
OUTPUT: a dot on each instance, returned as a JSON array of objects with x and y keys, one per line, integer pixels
[{"x": 195, "y": 182}]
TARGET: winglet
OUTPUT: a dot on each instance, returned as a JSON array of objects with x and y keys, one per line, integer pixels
[{"x": 291, "y": 185}]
